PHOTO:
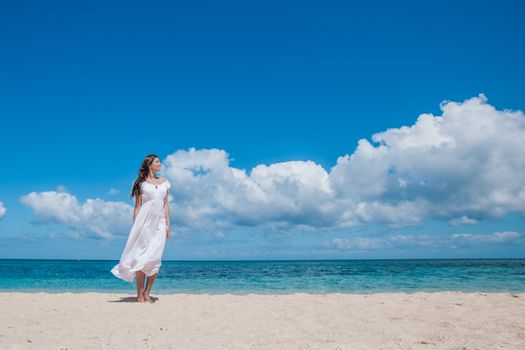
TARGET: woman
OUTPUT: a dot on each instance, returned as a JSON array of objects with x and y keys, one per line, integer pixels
[{"x": 151, "y": 228}]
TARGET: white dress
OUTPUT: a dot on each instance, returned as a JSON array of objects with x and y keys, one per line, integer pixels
[{"x": 147, "y": 238}]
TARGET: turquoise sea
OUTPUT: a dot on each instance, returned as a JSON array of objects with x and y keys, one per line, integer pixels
[{"x": 272, "y": 277}]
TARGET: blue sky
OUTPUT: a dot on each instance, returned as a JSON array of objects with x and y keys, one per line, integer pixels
[{"x": 88, "y": 89}]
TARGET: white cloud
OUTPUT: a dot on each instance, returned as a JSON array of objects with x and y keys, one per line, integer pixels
[
  {"x": 463, "y": 220},
  {"x": 3, "y": 210},
  {"x": 208, "y": 191},
  {"x": 422, "y": 240},
  {"x": 113, "y": 191},
  {"x": 463, "y": 166},
  {"x": 496, "y": 237},
  {"x": 357, "y": 243},
  {"x": 95, "y": 217},
  {"x": 466, "y": 162},
  {"x": 396, "y": 241}
]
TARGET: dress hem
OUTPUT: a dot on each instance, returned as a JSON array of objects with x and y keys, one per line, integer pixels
[{"x": 116, "y": 272}]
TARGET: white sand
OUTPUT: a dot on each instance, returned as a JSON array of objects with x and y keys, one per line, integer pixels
[{"x": 444, "y": 320}]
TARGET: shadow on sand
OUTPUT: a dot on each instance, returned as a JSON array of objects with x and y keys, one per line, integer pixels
[{"x": 130, "y": 300}]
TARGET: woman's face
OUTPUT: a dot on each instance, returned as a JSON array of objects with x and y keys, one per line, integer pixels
[{"x": 155, "y": 166}]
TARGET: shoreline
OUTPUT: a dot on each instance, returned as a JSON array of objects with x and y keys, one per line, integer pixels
[
  {"x": 397, "y": 320},
  {"x": 132, "y": 291}
]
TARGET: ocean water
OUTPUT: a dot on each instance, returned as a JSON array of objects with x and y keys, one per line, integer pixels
[{"x": 272, "y": 277}]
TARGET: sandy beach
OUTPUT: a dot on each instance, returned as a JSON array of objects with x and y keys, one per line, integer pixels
[{"x": 441, "y": 320}]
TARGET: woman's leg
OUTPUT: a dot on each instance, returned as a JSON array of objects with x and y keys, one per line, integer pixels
[
  {"x": 140, "y": 286},
  {"x": 149, "y": 284}
]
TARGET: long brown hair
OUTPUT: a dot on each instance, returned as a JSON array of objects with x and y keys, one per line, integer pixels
[{"x": 143, "y": 173}]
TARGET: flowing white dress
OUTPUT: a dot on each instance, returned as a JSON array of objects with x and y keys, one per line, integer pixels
[{"x": 147, "y": 238}]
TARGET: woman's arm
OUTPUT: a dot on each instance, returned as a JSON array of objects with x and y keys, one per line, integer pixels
[
  {"x": 167, "y": 213},
  {"x": 138, "y": 204}
]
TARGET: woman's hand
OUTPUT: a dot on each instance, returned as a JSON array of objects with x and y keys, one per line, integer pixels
[{"x": 167, "y": 232}]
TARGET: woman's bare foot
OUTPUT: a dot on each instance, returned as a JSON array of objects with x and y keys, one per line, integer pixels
[
  {"x": 140, "y": 298},
  {"x": 147, "y": 298}
]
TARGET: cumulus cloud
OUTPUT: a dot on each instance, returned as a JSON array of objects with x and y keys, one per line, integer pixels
[
  {"x": 208, "y": 191},
  {"x": 466, "y": 162},
  {"x": 94, "y": 217},
  {"x": 3, "y": 210},
  {"x": 462, "y": 166}
]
